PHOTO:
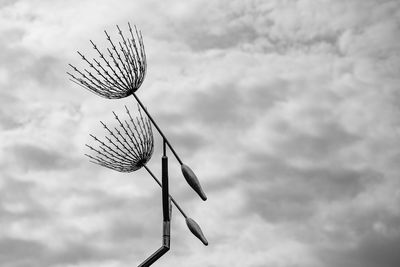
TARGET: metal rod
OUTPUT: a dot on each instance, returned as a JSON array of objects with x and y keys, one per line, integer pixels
[
  {"x": 164, "y": 148},
  {"x": 165, "y": 246},
  {"x": 166, "y": 205},
  {"x": 165, "y": 189},
  {"x": 154, "y": 257},
  {"x": 172, "y": 199},
  {"x": 158, "y": 129}
]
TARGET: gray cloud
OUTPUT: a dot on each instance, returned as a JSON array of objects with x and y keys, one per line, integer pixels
[
  {"x": 23, "y": 253},
  {"x": 201, "y": 38},
  {"x": 330, "y": 139},
  {"x": 8, "y": 122},
  {"x": 6, "y": 3},
  {"x": 26, "y": 68},
  {"x": 20, "y": 253},
  {"x": 373, "y": 247},
  {"x": 221, "y": 106},
  {"x": 32, "y": 157},
  {"x": 17, "y": 202},
  {"x": 188, "y": 142},
  {"x": 281, "y": 192}
]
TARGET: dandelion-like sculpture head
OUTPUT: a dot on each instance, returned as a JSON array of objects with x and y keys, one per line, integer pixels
[
  {"x": 128, "y": 148},
  {"x": 121, "y": 74}
]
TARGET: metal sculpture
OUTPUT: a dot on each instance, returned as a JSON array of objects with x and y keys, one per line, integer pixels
[
  {"x": 130, "y": 147},
  {"x": 127, "y": 74},
  {"x": 128, "y": 151}
]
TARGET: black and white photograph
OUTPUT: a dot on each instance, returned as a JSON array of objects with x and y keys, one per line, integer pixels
[{"x": 226, "y": 133}]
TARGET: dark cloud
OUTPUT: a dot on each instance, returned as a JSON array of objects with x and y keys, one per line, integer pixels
[
  {"x": 13, "y": 112},
  {"x": 123, "y": 232},
  {"x": 25, "y": 67},
  {"x": 5, "y": 3},
  {"x": 17, "y": 252},
  {"x": 8, "y": 121},
  {"x": 222, "y": 107},
  {"x": 46, "y": 70},
  {"x": 28, "y": 156},
  {"x": 206, "y": 27},
  {"x": 329, "y": 139},
  {"x": 280, "y": 192},
  {"x": 264, "y": 95},
  {"x": 13, "y": 193},
  {"x": 127, "y": 222},
  {"x": 219, "y": 106},
  {"x": 256, "y": 25},
  {"x": 200, "y": 38},
  {"x": 372, "y": 249},
  {"x": 21, "y": 253},
  {"x": 77, "y": 253},
  {"x": 188, "y": 142},
  {"x": 237, "y": 106}
]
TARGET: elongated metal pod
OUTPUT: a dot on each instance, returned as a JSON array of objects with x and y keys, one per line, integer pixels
[
  {"x": 196, "y": 230},
  {"x": 192, "y": 180}
]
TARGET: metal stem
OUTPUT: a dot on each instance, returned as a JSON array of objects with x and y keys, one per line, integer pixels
[
  {"x": 165, "y": 186},
  {"x": 154, "y": 257},
  {"x": 159, "y": 183},
  {"x": 158, "y": 129},
  {"x": 166, "y": 204}
]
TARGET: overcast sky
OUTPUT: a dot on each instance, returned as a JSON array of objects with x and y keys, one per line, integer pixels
[{"x": 288, "y": 112}]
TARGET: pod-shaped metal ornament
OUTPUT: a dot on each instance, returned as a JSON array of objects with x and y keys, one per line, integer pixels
[
  {"x": 192, "y": 180},
  {"x": 196, "y": 230}
]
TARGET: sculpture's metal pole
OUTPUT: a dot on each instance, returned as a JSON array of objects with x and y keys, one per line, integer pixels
[
  {"x": 165, "y": 186},
  {"x": 172, "y": 199},
  {"x": 166, "y": 204}
]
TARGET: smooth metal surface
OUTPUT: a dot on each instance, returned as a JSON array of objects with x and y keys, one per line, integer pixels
[
  {"x": 196, "y": 230},
  {"x": 192, "y": 180},
  {"x": 165, "y": 193}
]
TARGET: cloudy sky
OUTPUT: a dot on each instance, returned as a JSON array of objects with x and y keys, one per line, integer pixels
[{"x": 288, "y": 111}]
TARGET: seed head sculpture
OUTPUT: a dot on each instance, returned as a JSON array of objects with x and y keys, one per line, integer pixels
[
  {"x": 130, "y": 146},
  {"x": 121, "y": 74}
]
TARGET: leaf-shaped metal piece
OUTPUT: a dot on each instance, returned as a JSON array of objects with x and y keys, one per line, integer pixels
[
  {"x": 192, "y": 180},
  {"x": 196, "y": 230}
]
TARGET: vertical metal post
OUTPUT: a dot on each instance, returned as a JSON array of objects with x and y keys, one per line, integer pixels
[
  {"x": 166, "y": 200},
  {"x": 166, "y": 205},
  {"x": 165, "y": 186}
]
